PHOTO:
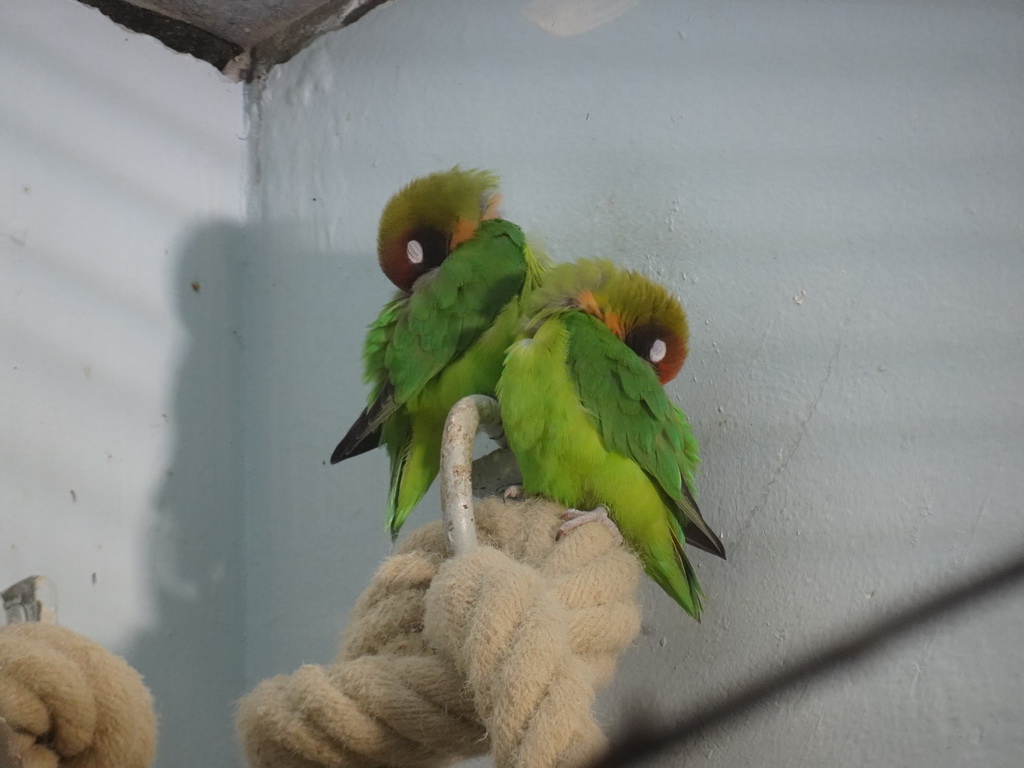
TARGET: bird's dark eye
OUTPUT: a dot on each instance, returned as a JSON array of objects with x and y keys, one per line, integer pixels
[
  {"x": 648, "y": 341},
  {"x": 659, "y": 348},
  {"x": 413, "y": 253},
  {"x": 426, "y": 248}
]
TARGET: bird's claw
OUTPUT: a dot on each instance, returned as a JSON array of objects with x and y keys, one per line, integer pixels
[
  {"x": 512, "y": 492},
  {"x": 574, "y": 518}
]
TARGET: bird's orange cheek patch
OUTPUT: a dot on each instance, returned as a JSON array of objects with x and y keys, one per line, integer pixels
[
  {"x": 585, "y": 300},
  {"x": 614, "y": 323},
  {"x": 588, "y": 303},
  {"x": 463, "y": 231}
]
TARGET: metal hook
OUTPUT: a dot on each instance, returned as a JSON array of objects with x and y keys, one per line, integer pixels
[{"x": 468, "y": 416}]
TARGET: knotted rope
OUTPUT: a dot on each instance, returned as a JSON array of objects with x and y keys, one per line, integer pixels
[
  {"x": 66, "y": 701},
  {"x": 501, "y": 650}
]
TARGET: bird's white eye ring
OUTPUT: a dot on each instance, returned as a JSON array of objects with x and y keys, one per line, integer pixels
[
  {"x": 414, "y": 252},
  {"x": 658, "y": 351}
]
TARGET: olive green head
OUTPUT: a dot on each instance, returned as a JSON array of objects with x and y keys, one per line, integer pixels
[
  {"x": 640, "y": 312},
  {"x": 429, "y": 218}
]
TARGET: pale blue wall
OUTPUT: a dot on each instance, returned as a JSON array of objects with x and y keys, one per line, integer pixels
[
  {"x": 866, "y": 157},
  {"x": 122, "y": 168}
]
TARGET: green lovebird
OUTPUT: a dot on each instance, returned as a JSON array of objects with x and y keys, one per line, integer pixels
[
  {"x": 600, "y": 430},
  {"x": 461, "y": 273}
]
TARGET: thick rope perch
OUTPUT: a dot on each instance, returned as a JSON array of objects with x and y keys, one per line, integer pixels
[
  {"x": 500, "y": 649},
  {"x": 66, "y": 701}
]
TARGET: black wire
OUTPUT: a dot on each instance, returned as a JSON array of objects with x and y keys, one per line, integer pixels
[{"x": 643, "y": 742}]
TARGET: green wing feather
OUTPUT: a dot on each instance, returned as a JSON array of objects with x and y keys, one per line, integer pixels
[
  {"x": 365, "y": 434},
  {"x": 637, "y": 420},
  {"x": 417, "y": 335},
  {"x": 378, "y": 337},
  {"x": 454, "y": 305},
  {"x": 418, "y": 355}
]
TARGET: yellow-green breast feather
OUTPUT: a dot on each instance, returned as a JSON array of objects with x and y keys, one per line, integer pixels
[{"x": 601, "y": 431}]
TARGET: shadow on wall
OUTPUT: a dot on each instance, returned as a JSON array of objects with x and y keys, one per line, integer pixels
[
  {"x": 267, "y": 370},
  {"x": 192, "y": 659}
]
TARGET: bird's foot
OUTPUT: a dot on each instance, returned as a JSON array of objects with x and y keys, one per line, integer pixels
[
  {"x": 512, "y": 492},
  {"x": 574, "y": 518}
]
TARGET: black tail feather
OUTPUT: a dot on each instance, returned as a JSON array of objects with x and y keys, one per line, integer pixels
[
  {"x": 700, "y": 535},
  {"x": 364, "y": 435},
  {"x": 695, "y": 537},
  {"x": 357, "y": 441}
]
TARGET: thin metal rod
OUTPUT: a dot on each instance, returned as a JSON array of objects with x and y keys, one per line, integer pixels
[
  {"x": 645, "y": 742},
  {"x": 465, "y": 419}
]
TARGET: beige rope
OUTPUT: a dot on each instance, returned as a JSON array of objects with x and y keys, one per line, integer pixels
[
  {"x": 500, "y": 650},
  {"x": 71, "y": 703}
]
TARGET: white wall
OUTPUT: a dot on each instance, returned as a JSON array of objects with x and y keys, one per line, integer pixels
[
  {"x": 834, "y": 190},
  {"x": 122, "y": 168}
]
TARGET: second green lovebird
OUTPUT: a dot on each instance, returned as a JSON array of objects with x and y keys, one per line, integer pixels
[
  {"x": 602, "y": 433},
  {"x": 461, "y": 274}
]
